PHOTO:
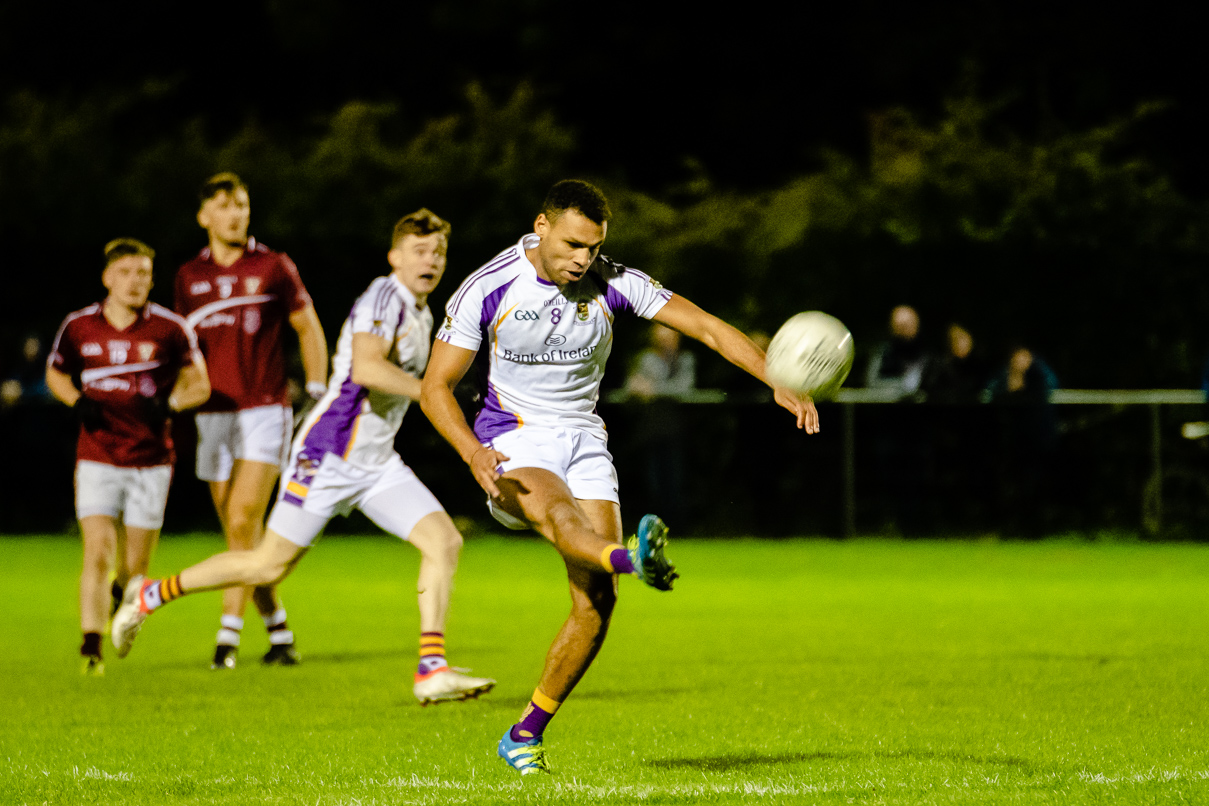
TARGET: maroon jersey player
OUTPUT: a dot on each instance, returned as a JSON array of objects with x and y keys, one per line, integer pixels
[
  {"x": 123, "y": 365},
  {"x": 239, "y": 296}
]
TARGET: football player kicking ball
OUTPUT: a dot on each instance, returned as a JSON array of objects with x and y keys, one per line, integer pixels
[
  {"x": 240, "y": 295},
  {"x": 542, "y": 315},
  {"x": 344, "y": 457},
  {"x": 124, "y": 365}
]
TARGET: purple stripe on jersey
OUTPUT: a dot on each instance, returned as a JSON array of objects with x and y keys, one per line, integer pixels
[
  {"x": 616, "y": 300},
  {"x": 333, "y": 430},
  {"x": 492, "y": 420},
  {"x": 543, "y": 281},
  {"x": 491, "y": 304},
  {"x": 375, "y": 303},
  {"x": 290, "y": 498},
  {"x": 491, "y": 268}
]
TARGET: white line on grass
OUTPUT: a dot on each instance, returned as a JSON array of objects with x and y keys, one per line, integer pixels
[
  {"x": 1145, "y": 777},
  {"x": 101, "y": 775}
]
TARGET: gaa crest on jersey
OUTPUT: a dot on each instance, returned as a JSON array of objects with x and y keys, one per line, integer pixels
[
  {"x": 655, "y": 284},
  {"x": 202, "y": 287},
  {"x": 118, "y": 350},
  {"x": 251, "y": 320},
  {"x": 91, "y": 349},
  {"x": 225, "y": 286},
  {"x": 251, "y": 285},
  {"x": 146, "y": 350},
  {"x": 449, "y": 323},
  {"x": 581, "y": 311}
]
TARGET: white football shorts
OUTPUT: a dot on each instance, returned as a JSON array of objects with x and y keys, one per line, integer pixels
[
  {"x": 261, "y": 434},
  {"x": 577, "y": 457},
  {"x": 391, "y": 496},
  {"x": 137, "y": 494}
]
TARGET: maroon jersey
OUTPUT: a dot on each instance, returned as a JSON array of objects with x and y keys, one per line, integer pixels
[
  {"x": 240, "y": 313},
  {"x": 120, "y": 369}
]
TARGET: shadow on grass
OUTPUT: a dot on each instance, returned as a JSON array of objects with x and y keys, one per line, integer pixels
[
  {"x": 739, "y": 761},
  {"x": 636, "y": 694},
  {"x": 355, "y": 656}
]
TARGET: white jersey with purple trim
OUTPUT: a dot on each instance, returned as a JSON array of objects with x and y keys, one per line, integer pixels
[
  {"x": 351, "y": 421},
  {"x": 543, "y": 349}
]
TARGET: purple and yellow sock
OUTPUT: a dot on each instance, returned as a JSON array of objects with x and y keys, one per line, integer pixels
[
  {"x": 537, "y": 715},
  {"x": 616, "y": 559},
  {"x": 432, "y": 652},
  {"x": 158, "y": 592}
]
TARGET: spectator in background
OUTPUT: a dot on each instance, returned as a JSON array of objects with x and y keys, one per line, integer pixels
[
  {"x": 27, "y": 382},
  {"x": 903, "y": 450},
  {"x": 958, "y": 432},
  {"x": 899, "y": 363},
  {"x": 663, "y": 373},
  {"x": 960, "y": 375},
  {"x": 1028, "y": 438}
]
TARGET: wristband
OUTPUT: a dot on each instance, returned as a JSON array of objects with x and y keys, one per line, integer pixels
[{"x": 316, "y": 389}]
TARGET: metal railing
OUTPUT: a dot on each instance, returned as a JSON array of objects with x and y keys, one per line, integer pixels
[{"x": 849, "y": 399}]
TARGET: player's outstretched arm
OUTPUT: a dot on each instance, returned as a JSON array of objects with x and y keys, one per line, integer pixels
[
  {"x": 373, "y": 370},
  {"x": 728, "y": 342},
  {"x": 313, "y": 346},
  {"x": 446, "y": 367},
  {"x": 192, "y": 387}
]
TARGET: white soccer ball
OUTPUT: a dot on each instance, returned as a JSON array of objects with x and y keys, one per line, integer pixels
[{"x": 812, "y": 354}]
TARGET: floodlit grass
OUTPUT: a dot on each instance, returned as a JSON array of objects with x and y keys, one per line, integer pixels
[{"x": 779, "y": 672}]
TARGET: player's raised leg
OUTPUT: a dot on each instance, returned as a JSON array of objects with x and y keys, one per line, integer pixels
[
  {"x": 267, "y": 564},
  {"x": 542, "y": 499},
  {"x": 410, "y": 509}
]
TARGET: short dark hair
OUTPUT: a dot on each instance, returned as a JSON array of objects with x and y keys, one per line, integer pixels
[
  {"x": 421, "y": 222},
  {"x": 119, "y": 248},
  {"x": 225, "y": 182},
  {"x": 578, "y": 195}
]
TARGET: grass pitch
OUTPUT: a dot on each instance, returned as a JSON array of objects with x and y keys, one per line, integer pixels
[{"x": 777, "y": 672}]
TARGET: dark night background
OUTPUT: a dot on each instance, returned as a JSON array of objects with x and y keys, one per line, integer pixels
[{"x": 1036, "y": 171}]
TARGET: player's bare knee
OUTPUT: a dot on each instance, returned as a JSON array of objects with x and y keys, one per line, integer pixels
[
  {"x": 266, "y": 571},
  {"x": 241, "y": 529},
  {"x": 97, "y": 562},
  {"x": 595, "y": 602}
]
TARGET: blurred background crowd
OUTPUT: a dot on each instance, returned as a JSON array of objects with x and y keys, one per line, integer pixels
[{"x": 992, "y": 196}]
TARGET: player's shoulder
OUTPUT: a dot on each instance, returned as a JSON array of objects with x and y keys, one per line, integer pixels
[
  {"x": 608, "y": 269},
  {"x": 496, "y": 273},
  {"x": 80, "y": 317},
  {"x": 611, "y": 272},
  {"x": 499, "y": 270},
  {"x": 381, "y": 292},
  {"x": 257, "y": 252}
]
